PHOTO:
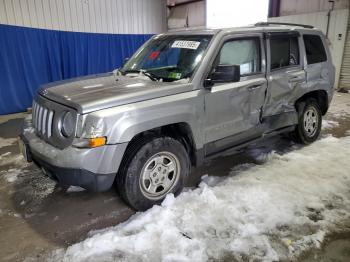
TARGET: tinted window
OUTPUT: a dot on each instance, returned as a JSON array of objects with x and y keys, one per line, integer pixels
[
  {"x": 284, "y": 52},
  {"x": 314, "y": 48},
  {"x": 243, "y": 52}
]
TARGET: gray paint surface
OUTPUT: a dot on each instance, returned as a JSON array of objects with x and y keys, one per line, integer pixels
[{"x": 120, "y": 107}]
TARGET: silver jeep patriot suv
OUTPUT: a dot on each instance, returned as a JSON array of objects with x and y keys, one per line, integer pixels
[{"x": 183, "y": 97}]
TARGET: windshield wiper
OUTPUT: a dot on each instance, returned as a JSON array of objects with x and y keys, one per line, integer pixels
[{"x": 153, "y": 77}]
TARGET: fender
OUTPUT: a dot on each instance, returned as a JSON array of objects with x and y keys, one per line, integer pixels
[{"x": 120, "y": 124}]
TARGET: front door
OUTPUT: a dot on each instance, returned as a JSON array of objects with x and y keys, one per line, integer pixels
[{"x": 233, "y": 110}]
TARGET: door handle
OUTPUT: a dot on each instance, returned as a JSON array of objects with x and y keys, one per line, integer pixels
[
  {"x": 296, "y": 79},
  {"x": 254, "y": 87}
]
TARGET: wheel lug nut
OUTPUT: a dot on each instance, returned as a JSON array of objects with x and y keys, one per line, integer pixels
[
  {"x": 159, "y": 168},
  {"x": 154, "y": 175},
  {"x": 157, "y": 180}
]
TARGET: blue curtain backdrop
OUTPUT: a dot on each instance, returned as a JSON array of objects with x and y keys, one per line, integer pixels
[{"x": 31, "y": 57}]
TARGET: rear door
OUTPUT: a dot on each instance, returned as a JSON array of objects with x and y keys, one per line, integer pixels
[{"x": 285, "y": 72}]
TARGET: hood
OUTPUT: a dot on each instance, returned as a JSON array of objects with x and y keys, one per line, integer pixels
[{"x": 96, "y": 92}]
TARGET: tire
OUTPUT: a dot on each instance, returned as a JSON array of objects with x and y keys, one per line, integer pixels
[
  {"x": 309, "y": 123},
  {"x": 151, "y": 169}
]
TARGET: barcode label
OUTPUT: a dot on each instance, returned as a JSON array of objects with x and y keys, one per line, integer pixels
[{"x": 185, "y": 44}]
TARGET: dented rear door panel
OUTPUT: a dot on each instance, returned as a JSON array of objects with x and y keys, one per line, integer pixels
[{"x": 284, "y": 83}]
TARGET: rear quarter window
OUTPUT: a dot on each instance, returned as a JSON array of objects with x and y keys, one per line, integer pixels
[{"x": 315, "y": 51}]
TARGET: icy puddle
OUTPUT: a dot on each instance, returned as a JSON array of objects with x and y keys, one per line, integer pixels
[{"x": 267, "y": 212}]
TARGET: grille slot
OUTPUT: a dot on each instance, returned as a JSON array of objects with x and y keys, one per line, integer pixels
[{"x": 42, "y": 120}]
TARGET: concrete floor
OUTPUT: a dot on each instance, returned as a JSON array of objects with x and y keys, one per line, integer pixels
[{"x": 37, "y": 216}]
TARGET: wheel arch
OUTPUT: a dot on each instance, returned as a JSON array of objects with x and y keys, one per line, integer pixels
[
  {"x": 320, "y": 96},
  {"x": 180, "y": 131}
]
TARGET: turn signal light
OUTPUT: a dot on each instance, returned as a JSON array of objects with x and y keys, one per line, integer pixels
[{"x": 97, "y": 141}]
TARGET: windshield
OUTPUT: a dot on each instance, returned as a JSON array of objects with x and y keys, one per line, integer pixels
[{"x": 168, "y": 57}]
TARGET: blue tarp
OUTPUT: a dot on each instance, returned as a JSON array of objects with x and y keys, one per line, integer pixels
[{"x": 31, "y": 57}]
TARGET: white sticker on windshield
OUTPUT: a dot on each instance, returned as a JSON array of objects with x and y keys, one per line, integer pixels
[{"x": 185, "y": 44}]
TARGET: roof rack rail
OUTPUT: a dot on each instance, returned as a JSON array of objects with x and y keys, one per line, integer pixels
[{"x": 278, "y": 23}]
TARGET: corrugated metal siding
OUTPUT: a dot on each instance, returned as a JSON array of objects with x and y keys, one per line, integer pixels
[
  {"x": 294, "y": 7},
  {"x": 97, "y": 16},
  {"x": 345, "y": 68},
  {"x": 186, "y": 15},
  {"x": 337, "y": 25}
]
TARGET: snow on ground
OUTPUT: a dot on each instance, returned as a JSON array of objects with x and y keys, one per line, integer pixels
[
  {"x": 339, "y": 107},
  {"x": 262, "y": 212},
  {"x": 5, "y": 118},
  {"x": 74, "y": 189},
  {"x": 12, "y": 174},
  {"x": 7, "y": 141},
  {"x": 329, "y": 124},
  {"x": 8, "y": 158}
]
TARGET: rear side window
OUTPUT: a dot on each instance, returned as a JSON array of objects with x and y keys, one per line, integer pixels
[
  {"x": 315, "y": 52},
  {"x": 284, "y": 51}
]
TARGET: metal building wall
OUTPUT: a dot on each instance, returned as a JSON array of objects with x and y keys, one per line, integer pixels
[
  {"x": 344, "y": 81},
  {"x": 293, "y": 7},
  {"x": 186, "y": 13},
  {"x": 97, "y": 16},
  {"x": 42, "y": 41},
  {"x": 337, "y": 31}
]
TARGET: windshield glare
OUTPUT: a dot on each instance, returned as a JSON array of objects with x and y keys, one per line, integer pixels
[{"x": 169, "y": 57}]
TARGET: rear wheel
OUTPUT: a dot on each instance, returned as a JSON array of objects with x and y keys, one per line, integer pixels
[
  {"x": 310, "y": 122},
  {"x": 152, "y": 169}
]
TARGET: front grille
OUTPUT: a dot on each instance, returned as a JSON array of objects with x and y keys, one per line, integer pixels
[
  {"x": 42, "y": 120},
  {"x": 47, "y": 120}
]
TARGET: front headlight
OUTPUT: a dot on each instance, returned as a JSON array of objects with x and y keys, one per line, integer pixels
[{"x": 68, "y": 125}]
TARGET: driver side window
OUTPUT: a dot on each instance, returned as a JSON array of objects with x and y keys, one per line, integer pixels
[{"x": 242, "y": 52}]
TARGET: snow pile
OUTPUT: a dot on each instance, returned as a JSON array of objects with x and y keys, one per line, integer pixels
[
  {"x": 329, "y": 124},
  {"x": 267, "y": 212},
  {"x": 7, "y": 141}
]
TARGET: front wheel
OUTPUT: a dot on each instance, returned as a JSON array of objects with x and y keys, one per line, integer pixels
[
  {"x": 309, "y": 124},
  {"x": 152, "y": 169}
]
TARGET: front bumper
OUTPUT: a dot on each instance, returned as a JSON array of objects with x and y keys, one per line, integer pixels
[{"x": 91, "y": 168}]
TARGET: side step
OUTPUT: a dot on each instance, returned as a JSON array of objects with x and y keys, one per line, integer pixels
[{"x": 235, "y": 149}]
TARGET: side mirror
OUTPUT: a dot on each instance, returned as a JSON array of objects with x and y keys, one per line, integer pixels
[{"x": 224, "y": 74}]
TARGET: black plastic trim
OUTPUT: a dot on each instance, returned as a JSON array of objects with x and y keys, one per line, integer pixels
[
  {"x": 75, "y": 177},
  {"x": 72, "y": 176}
]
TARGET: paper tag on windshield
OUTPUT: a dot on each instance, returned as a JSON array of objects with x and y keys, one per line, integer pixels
[{"x": 185, "y": 44}]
